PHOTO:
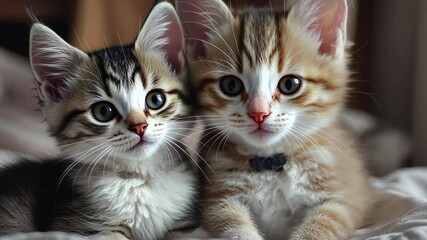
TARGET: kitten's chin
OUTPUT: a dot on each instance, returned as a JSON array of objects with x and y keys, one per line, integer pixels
[
  {"x": 261, "y": 134},
  {"x": 257, "y": 139},
  {"x": 142, "y": 150}
]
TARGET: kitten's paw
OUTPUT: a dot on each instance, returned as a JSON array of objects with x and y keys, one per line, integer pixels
[{"x": 243, "y": 234}]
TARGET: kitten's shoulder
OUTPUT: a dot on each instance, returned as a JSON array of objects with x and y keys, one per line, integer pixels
[
  {"x": 44, "y": 182},
  {"x": 32, "y": 194},
  {"x": 29, "y": 172}
]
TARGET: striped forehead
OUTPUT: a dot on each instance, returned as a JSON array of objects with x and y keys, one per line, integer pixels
[
  {"x": 123, "y": 80},
  {"x": 260, "y": 35},
  {"x": 117, "y": 65}
]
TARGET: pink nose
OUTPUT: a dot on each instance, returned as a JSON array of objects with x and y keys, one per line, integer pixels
[
  {"x": 259, "y": 117},
  {"x": 139, "y": 128}
]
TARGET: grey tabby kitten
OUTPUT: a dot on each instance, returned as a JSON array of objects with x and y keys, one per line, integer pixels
[{"x": 117, "y": 115}]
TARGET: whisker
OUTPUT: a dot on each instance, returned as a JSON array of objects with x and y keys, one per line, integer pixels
[
  {"x": 210, "y": 61},
  {"x": 83, "y": 154},
  {"x": 96, "y": 160},
  {"x": 74, "y": 143},
  {"x": 213, "y": 45},
  {"x": 106, "y": 160},
  {"x": 196, "y": 152},
  {"x": 194, "y": 139},
  {"x": 176, "y": 151},
  {"x": 318, "y": 134},
  {"x": 314, "y": 142},
  {"x": 168, "y": 154},
  {"x": 188, "y": 155},
  {"x": 215, "y": 138},
  {"x": 303, "y": 146},
  {"x": 223, "y": 136},
  {"x": 218, "y": 72}
]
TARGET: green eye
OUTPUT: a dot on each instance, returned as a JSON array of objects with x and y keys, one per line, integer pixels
[
  {"x": 155, "y": 99},
  {"x": 104, "y": 111},
  {"x": 289, "y": 84},
  {"x": 231, "y": 85}
]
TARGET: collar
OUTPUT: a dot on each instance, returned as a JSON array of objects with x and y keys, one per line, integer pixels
[{"x": 273, "y": 162}]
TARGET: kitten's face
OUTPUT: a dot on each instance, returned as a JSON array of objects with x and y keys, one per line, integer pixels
[
  {"x": 120, "y": 103},
  {"x": 263, "y": 78}
]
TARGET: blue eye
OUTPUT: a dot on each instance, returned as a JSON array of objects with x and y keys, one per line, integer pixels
[
  {"x": 231, "y": 85},
  {"x": 104, "y": 111},
  {"x": 156, "y": 99},
  {"x": 289, "y": 84}
]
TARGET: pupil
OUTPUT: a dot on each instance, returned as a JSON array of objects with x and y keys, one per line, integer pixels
[
  {"x": 155, "y": 99},
  {"x": 288, "y": 84},
  {"x": 104, "y": 111},
  {"x": 232, "y": 86}
]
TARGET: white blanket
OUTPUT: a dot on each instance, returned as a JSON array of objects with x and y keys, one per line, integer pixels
[{"x": 401, "y": 210}]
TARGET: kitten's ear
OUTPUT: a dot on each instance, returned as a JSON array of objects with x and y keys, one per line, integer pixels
[
  {"x": 201, "y": 18},
  {"x": 327, "y": 18},
  {"x": 162, "y": 31},
  {"x": 53, "y": 62}
]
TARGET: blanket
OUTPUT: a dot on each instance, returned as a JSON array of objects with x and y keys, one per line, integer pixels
[{"x": 401, "y": 211}]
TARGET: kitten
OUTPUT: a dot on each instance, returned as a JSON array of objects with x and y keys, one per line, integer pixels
[
  {"x": 116, "y": 115},
  {"x": 272, "y": 83}
]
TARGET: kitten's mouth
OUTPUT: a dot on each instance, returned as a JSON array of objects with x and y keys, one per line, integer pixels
[
  {"x": 260, "y": 131},
  {"x": 139, "y": 144}
]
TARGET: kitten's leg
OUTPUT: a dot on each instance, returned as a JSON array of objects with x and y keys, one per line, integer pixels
[
  {"x": 230, "y": 219},
  {"x": 330, "y": 220}
]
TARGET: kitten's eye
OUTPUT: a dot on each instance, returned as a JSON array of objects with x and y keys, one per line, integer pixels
[
  {"x": 289, "y": 84},
  {"x": 104, "y": 111},
  {"x": 231, "y": 85},
  {"x": 155, "y": 99}
]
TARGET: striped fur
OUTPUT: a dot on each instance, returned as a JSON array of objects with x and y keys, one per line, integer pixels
[
  {"x": 323, "y": 192},
  {"x": 127, "y": 176}
]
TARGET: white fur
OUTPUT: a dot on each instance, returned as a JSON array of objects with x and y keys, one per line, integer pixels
[
  {"x": 277, "y": 202},
  {"x": 149, "y": 205}
]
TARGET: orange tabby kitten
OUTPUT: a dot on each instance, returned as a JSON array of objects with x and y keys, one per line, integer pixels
[{"x": 271, "y": 85}]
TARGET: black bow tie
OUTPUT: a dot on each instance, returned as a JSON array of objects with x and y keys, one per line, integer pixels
[{"x": 273, "y": 162}]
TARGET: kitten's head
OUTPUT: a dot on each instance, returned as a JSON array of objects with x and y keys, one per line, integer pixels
[
  {"x": 122, "y": 101},
  {"x": 265, "y": 76}
]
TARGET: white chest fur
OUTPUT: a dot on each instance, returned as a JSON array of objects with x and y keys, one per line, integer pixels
[
  {"x": 148, "y": 207},
  {"x": 274, "y": 202}
]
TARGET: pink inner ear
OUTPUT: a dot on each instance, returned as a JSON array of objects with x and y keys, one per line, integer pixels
[
  {"x": 49, "y": 76},
  {"x": 175, "y": 43},
  {"x": 191, "y": 13},
  {"x": 331, "y": 18},
  {"x": 199, "y": 17}
]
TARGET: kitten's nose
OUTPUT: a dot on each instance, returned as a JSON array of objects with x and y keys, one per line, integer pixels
[
  {"x": 139, "y": 128},
  {"x": 259, "y": 117}
]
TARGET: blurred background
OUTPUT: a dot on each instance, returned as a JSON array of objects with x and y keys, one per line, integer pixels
[{"x": 387, "y": 102}]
